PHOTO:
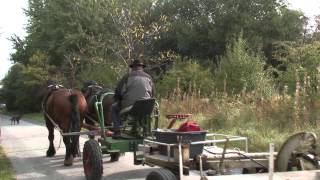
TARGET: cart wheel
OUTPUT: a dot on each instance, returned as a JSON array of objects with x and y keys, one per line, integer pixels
[
  {"x": 92, "y": 160},
  {"x": 114, "y": 156},
  {"x": 161, "y": 174}
]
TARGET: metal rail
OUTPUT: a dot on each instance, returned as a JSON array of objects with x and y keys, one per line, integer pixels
[
  {"x": 160, "y": 143},
  {"x": 232, "y": 138},
  {"x": 99, "y": 110}
]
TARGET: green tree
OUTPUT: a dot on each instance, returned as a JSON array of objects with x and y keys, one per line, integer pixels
[
  {"x": 241, "y": 71},
  {"x": 203, "y": 28},
  {"x": 23, "y": 87},
  {"x": 186, "y": 78},
  {"x": 302, "y": 64}
]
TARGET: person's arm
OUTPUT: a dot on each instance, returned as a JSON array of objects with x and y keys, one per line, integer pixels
[
  {"x": 120, "y": 85},
  {"x": 153, "y": 92}
]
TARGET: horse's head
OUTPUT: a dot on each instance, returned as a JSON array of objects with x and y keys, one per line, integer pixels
[
  {"x": 90, "y": 87},
  {"x": 88, "y": 83}
]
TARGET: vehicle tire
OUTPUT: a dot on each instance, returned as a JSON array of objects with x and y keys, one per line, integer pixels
[
  {"x": 161, "y": 174},
  {"x": 92, "y": 160},
  {"x": 114, "y": 156}
]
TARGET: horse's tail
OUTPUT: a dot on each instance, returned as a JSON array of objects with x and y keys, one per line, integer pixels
[
  {"x": 75, "y": 114},
  {"x": 74, "y": 123}
]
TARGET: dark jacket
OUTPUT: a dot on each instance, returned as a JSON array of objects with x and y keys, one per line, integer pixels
[{"x": 133, "y": 86}]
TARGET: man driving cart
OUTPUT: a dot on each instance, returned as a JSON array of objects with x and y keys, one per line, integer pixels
[{"x": 133, "y": 86}]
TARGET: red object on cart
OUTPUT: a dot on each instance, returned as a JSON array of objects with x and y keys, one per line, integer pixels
[
  {"x": 189, "y": 126},
  {"x": 109, "y": 133}
]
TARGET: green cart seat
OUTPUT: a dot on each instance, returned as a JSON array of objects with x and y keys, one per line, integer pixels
[{"x": 138, "y": 116}]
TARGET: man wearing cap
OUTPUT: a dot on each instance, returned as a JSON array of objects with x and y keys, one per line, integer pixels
[{"x": 133, "y": 86}]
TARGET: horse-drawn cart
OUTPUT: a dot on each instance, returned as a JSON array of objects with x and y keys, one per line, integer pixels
[{"x": 191, "y": 154}]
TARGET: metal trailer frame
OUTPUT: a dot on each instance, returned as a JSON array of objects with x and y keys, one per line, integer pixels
[
  {"x": 170, "y": 163},
  {"x": 251, "y": 160}
]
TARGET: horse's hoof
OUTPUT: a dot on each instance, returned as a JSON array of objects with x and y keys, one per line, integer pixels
[
  {"x": 68, "y": 162},
  {"x": 76, "y": 155},
  {"x": 51, "y": 153}
]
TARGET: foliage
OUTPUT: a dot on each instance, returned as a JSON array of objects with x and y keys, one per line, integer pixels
[
  {"x": 202, "y": 29},
  {"x": 186, "y": 77},
  {"x": 104, "y": 74},
  {"x": 79, "y": 39},
  {"x": 23, "y": 80},
  {"x": 136, "y": 26},
  {"x": 302, "y": 62},
  {"x": 240, "y": 71}
]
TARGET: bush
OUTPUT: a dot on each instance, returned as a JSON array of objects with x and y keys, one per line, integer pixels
[
  {"x": 186, "y": 77},
  {"x": 240, "y": 71}
]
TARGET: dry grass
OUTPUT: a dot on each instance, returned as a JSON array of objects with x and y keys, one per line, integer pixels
[{"x": 262, "y": 120}]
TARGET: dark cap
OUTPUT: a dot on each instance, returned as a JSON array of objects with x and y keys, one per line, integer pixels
[{"x": 136, "y": 62}]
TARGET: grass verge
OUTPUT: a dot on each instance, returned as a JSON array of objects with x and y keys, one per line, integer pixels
[
  {"x": 6, "y": 171},
  {"x": 34, "y": 117}
]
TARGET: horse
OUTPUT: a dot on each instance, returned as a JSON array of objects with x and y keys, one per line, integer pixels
[
  {"x": 64, "y": 109},
  {"x": 92, "y": 92}
]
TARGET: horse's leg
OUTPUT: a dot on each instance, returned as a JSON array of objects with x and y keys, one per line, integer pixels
[
  {"x": 51, "y": 150},
  {"x": 68, "y": 160},
  {"x": 75, "y": 146}
]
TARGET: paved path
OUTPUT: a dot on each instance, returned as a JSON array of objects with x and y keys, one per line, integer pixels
[{"x": 26, "y": 144}]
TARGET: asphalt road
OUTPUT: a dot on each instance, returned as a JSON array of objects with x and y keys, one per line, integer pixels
[{"x": 26, "y": 144}]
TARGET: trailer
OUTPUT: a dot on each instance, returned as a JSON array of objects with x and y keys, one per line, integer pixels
[{"x": 192, "y": 155}]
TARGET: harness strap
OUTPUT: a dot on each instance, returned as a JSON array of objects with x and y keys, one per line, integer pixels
[{"x": 52, "y": 121}]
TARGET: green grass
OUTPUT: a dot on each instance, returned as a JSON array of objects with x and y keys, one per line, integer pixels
[
  {"x": 34, "y": 117},
  {"x": 6, "y": 171},
  {"x": 31, "y": 117}
]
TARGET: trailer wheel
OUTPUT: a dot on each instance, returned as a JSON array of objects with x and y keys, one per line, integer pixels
[
  {"x": 161, "y": 174},
  {"x": 114, "y": 156},
  {"x": 92, "y": 160}
]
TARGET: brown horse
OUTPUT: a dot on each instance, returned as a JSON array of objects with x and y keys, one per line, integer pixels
[
  {"x": 92, "y": 92},
  {"x": 64, "y": 108}
]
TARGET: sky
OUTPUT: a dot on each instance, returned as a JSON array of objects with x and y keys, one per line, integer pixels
[{"x": 13, "y": 21}]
